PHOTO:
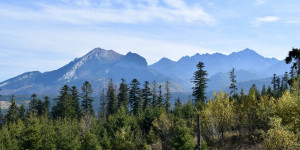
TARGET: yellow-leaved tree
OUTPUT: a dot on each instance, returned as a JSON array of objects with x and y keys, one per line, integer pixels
[
  {"x": 218, "y": 115},
  {"x": 279, "y": 137}
]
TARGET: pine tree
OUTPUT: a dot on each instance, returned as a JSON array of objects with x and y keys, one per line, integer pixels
[
  {"x": 264, "y": 90},
  {"x": 294, "y": 54},
  {"x": 200, "y": 82},
  {"x": 269, "y": 91},
  {"x": 138, "y": 104},
  {"x": 154, "y": 94},
  {"x": 103, "y": 105},
  {"x": 12, "y": 113},
  {"x": 111, "y": 99},
  {"x": 64, "y": 106},
  {"x": 39, "y": 107},
  {"x": 32, "y": 105},
  {"x": 160, "y": 97},
  {"x": 232, "y": 86},
  {"x": 76, "y": 101},
  {"x": 123, "y": 94},
  {"x": 46, "y": 106},
  {"x": 134, "y": 92},
  {"x": 285, "y": 82},
  {"x": 167, "y": 103},
  {"x": 178, "y": 108},
  {"x": 21, "y": 112},
  {"x": 146, "y": 94},
  {"x": 274, "y": 83},
  {"x": 1, "y": 116},
  {"x": 87, "y": 99},
  {"x": 293, "y": 75}
]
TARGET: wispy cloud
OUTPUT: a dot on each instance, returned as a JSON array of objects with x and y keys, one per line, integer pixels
[
  {"x": 261, "y": 2},
  {"x": 114, "y": 11},
  {"x": 259, "y": 21}
]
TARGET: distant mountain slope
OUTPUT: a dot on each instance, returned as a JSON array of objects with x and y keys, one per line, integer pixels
[
  {"x": 218, "y": 64},
  {"x": 98, "y": 67}
]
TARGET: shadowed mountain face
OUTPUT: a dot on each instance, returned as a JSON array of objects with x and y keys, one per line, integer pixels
[{"x": 99, "y": 66}]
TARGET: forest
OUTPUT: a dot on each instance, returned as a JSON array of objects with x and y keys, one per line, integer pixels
[{"x": 135, "y": 116}]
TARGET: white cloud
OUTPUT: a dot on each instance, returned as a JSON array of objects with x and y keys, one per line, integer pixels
[
  {"x": 261, "y": 2},
  {"x": 262, "y": 20},
  {"x": 114, "y": 11}
]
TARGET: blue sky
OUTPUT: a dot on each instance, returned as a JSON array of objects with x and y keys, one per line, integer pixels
[{"x": 44, "y": 35}]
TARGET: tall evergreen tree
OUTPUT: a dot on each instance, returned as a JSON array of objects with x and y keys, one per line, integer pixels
[
  {"x": 138, "y": 104},
  {"x": 167, "y": 103},
  {"x": 111, "y": 99},
  {"x": 264, "y": 90},
  {"x": 64, "y": 106},
  {"x": 123, "y": 94},
  {"x": 87, "y": 99},
  {"x": 154, "y": 94},
  {"x": 103, "y": 105},
  {"x": 232, "y": 86},
  {"x": 178, "y": 108},
  {"x": 21, "y": 112},
  {"x": 46, "y": 106},
  {"x": 200, "y": 82},
  {"x": 294, "y": 54},
  {"x": 1, "y": 116},
  {"x": 134, "y": 92},
  {"x": 285, "y": 81},
  {"x": 274, "y": 83},
  {"x": 12, "y": 113},
  {"x": 32, "y": 105},
  {"x": 76, "y": 101},
  {"x": 269, "y": 91},
  {"x": 146, "y": 94},
  {"x": 39, "y": 107},
  {"x": 160, "y": 97}
]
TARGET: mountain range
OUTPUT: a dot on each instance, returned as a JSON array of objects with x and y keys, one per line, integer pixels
[{"x": 99, "y": 66}]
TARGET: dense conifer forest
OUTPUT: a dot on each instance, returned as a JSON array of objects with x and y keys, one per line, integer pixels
[{"x": 138, "y": 115}]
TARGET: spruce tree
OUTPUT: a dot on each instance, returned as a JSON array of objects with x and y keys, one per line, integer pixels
[
  {"x": 21, "y": 112},
  {"x": 294, "y": 54},
  {"x": 76, "y": 101},
  {"x": 12, "y": 113},
  {"x": 46, "y": 106},
  {"x": 200, "y": 82},
  {"x": 178, "y": 108},
  {"x": 1, "y": 116},
  {"x": 87, "y": 99},
  {"x": 32, "y": 105},
  {"x": 146, "y": 94},
  {"x": 39, "y": 107},
  {"x": 269, "y": 91},
  {"x": 111, "y": 99},
  {"x": 103, "y": 105},
  {"x": 64, "y": 105},
  {"x": 160, "y": 97},
  {"x": 285, "y": 81},
  {"x": 264, "y": 90},
  {"x": 138, "y": 104},
  {"x": 154, "y": 94},
  {"x": 274, "y": 83},
  {"x": 123, "y": 94},
  {"x": 167, "y": 103},
  {"x": 134, "y": 92},
  {"x": 232, "y": 86}
]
